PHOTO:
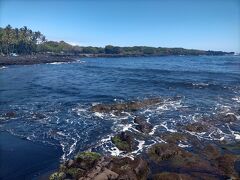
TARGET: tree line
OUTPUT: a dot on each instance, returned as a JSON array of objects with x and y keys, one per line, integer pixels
[
  {"x": 25, "y": 41},
  {"x": 19, "y": 40}
]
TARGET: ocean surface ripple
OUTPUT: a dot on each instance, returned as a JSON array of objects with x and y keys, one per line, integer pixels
[{"x": 52, "y": 102}]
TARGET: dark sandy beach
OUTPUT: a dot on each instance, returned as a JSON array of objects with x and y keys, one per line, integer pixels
[{"x": 23, "y": 159}]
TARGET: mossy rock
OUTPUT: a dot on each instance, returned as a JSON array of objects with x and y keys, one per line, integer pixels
[
  {"x": 74, "y": 172},
  {"x": 88, "y": 155},
  {"x": 87, "y": 160},
  {"x": 178, "y": 158},
  {"x": 174, "y": 138},
  {"x": 197, "y": 127},
  {"x": 164, "y": 151},
  {"x": 122, "y": 145},
  {"x": 124, "y": 141},
  {"x": 57, "y": 176}
]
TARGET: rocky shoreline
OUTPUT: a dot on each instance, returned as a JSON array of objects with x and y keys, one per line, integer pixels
[
  {"x": 51, "y": 58},
  {"x": 162, "y": 161},
  {"x": 169, "y": 159},
  {"x": 179, "y": 155},
  {"x": 34, "y": 59}
]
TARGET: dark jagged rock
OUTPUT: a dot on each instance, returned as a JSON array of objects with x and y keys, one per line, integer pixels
[
  {"x": 205, "y": 176},
  {"x": 142, "y": 125},
  {"x": 182, "y": 176},
  {"x": 211, "y": 151},
  {"x": 226, "y": 164},
  {"x": 238, "y": 111},
  {"x": 177, "y": 138},
  {"x": 179, "y": 159},
  {"x": 171, "y": 176},
  {"x": 34, "y": 59},
  {"x": 128, "y": 106},
  {"x": 39, "y": 116},
  {"x": 10, "y": 114},
  {"x": 164, "y": 151},
  {"x": 124, "y": 141},
  {"x": 196, "y": 127},
  {"x": 174, "y": 138},
  {"x": 109, "y": 168},
  {"x": 127, "y": 168},
  {"x": 87, "y": 160},
  {"x": 229, "y": 118},
  {"x": 106, "y": 174},
  {"x": 233, "y": 147}
]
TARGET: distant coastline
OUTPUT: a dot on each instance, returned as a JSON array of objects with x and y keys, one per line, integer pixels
[
  {"x": 45, "y": 58},
  {"x": 22, "y": 46}
]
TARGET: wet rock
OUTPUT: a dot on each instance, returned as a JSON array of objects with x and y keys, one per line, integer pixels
[
  {"x": 57, "y": 176},
  {"x": 70, "y": 163},
  {"x": 10, "y": 114},
  {"x": 164, "y": 151},
  {"x": 205, "y": 176},
  {"x": 106, "y": 174},
  {"x": 142, "y": 168},
  {"x": 87, "y": 160},
  {"x": 109, "y": 168},
  {"x": 39, "y": 116},
  {"x": 171, "y": 176},
  {"x": 128, "y": 106},
  {"x": 142, "y": 125},
  {"x": 123, "y": 141},
  {"x": 226, "y": 164},
  {"x": 238, "y": 111},
  {"x": 196, "y": 127},
  {"x": 175, "y": 157},
  {"x": 74, "y": 173},
  {"x": 174, "y": 138},
  {"x": 127, "y": 168},
  {"x": 181, "y": 138},
  {"x": 233, "y": 147},
  {"x": 211, "y": 151},
  {"x": 229, "y": 118}
]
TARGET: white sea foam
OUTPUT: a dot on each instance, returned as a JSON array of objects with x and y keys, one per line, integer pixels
[
  {"x": 100, "y": 115},
  {"x": 115, "y": 151},
  {"x": 183, "y": 145},
  {"x": 237, "y": 99},
  {"x": 61, "y": 133},
  {"x": 58, "y": 63},
  {"x": 200, "y": 84},
  {"x": 153, "y": 130},
  {"x": 234, "y": 133},
  {"x": 3, "y": 67},
  {"x": 126, "y": 127},
  {"x": 164, "y": 124},
  {"x": 140, "y": 147},
  {"x": 72, "y": 147}
]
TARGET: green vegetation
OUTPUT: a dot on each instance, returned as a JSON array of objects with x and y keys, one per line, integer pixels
[
  {"x": 19, "y": 40},
  {"x": 25, "y": 41}
]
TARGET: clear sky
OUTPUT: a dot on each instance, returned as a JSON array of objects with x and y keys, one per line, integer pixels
[{"x": 199, "y": 24}]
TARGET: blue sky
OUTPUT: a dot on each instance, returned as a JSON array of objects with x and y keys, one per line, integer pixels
[{"x": 199, "y": 24}]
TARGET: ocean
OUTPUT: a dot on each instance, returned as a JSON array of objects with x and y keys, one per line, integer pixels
[{"x": 51, "y": 103}]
